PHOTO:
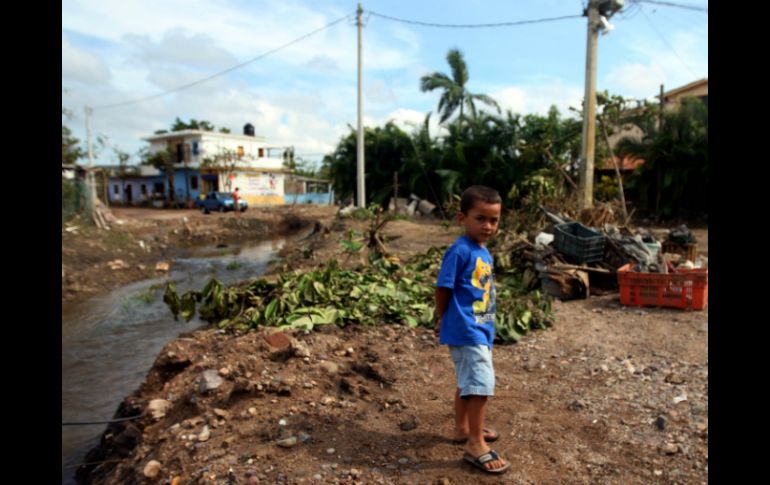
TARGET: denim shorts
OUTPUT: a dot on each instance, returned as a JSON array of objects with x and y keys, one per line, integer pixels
[{"x": 474, "y": 371}]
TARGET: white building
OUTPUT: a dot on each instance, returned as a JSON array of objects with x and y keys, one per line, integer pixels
[{"x": 257, "y": 167}]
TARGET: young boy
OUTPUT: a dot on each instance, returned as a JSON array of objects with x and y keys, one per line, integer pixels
[{"x": 465, "y": 320}]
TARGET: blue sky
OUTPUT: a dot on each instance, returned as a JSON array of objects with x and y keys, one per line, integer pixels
[{"x": 305, "y": 95}]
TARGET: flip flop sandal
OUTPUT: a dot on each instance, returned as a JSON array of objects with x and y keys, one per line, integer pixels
[{"x": 479, "y": 462}]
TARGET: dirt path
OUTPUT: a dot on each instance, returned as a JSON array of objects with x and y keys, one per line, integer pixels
[{"x": 607, "y": 395}]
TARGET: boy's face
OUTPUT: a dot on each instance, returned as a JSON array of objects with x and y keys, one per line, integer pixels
[{"x": 481, "y": 221}]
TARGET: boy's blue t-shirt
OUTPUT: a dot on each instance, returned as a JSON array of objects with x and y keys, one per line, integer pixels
[{"x": 467, "y": 269}]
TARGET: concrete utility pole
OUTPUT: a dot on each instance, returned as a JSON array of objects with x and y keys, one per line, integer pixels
[
  {"x": 589, "y": 111},
  {"x": 361, "y": 189},
  {"x": 90, "y": 186},
  {"x": 598, "y": 12}
]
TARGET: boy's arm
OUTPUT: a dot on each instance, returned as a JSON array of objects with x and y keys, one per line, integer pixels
[{"x": 442, "y": 300}]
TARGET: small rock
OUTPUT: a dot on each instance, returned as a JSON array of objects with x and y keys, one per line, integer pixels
[
  {"x": 675, "y": 378},
  {"x": 158, "y": 408},
  {"x": 152, "y": 469},
  {"x": 253, "y": 411},
  {"x": 679, "y": 399},
  {"x": 670, "y": 448},
  {"x": 403, "y": 461},
  {"x": 576, "y": 405},
  {"x": 330, "y": 367},
  {"x": 278, "y": 340},
  {"x": 209, "y": 380},
  {"x": 224, "y": 372},
  {"x": 330, "y": 451},
  {"x": 300, "y": 349},
  {"x": 349, "y": 351},
  {"x": 222, "y": 413},
  {"x": 660, "y": 422},
  {"x": 205, "y": 434},
  {"x": 327, "y": 400},
  {"x": 117, "y": 264},
  {"x": 317, "y": 476},
  {"x": 304, "y": 437},
  {"x": 141, "y": 267},
  {"x": 288, "y": 442},
  {"x": 162, "y": 267},
  {"x": 658, "y": 473},
  {"x": 355, "y": 473},
  {"x": 443, "y": 481},
  {"x": 409, "y": 425}
]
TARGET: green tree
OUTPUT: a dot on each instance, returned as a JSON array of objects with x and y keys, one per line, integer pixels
[
  {"x": 226, "y": 162},
  {"x": 455, "y": 94},
  {"x": 386, "y": 150},
  {"x": 674, "y": 176},
  {"x": 71, "y": 151},
  {"x": 193, "y": 124},
  {"x": 123, "y": 159},
  {"x": 162, "y": 160}
]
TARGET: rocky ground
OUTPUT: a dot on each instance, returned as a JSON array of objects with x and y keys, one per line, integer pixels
[{"x": 609, "y": 394}]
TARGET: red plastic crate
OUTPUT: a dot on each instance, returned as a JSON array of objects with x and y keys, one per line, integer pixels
[{"x": 686, "y": 289}]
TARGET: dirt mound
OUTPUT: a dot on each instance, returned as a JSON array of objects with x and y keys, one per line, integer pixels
[{"x": 374, "y": 405}]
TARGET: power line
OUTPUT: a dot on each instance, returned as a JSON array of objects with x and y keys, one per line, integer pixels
[
  {"x": 464, "y": 26},
  {"x": 676, "y": 5},
  {"x": 667, "y": 44},
  {"x": 226, "y": 70}
]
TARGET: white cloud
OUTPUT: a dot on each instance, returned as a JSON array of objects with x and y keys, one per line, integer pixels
[
  {"x": 178, "y": 47},
  {"x": 635, "y": 80},
  {"x": 680, "y": 62},
  {"x": 538, "y": 98},
  {"x": 79, "y": 65}
]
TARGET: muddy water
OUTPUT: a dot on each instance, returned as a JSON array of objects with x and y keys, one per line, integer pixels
[{"x": 109, "y": 342}]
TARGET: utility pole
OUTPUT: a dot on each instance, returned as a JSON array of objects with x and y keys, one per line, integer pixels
[
  {"x": 361, "y": 189},
  {"x": 598, "y": 13},
  {"x": 90, "y": 186},
  {"x": 589, "y": 111}
]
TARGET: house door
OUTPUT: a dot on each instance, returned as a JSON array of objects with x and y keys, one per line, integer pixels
[{"x": 129, "y": 195}]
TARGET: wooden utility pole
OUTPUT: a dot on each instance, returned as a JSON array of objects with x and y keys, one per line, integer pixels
[
  {"x": 589, "y": 110},
  {"x": 361, "y": 188}
]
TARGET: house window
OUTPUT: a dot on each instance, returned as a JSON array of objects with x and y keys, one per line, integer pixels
[
  {"x": 159, "y": 188},
  {"x": 194, "y": 182},
  {"x": 144, "y": 189},
  {"x": 261, "y": 152},
  {"x": 115, "y": 189},
  {"x": 240, "y": 150}
]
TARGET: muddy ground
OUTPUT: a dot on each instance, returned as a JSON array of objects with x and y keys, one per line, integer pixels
[
  {"x": 95, "y": 260},
  {"x": 609, "y": 394}
]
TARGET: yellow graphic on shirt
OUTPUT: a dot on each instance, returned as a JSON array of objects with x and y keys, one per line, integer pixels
[{"x": 481, "y": 278}]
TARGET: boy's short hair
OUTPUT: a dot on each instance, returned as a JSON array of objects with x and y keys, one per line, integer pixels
[{"x": 476, "y": 193}]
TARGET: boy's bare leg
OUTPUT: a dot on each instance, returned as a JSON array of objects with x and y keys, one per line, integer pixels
[
  {"x": 461, "y": 416},
  {"x": 476, "y": 406},
  {"x": 462, "y": 429}
]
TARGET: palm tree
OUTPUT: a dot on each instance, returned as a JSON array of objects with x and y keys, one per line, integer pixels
[{"x": 455, "y": 94}]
